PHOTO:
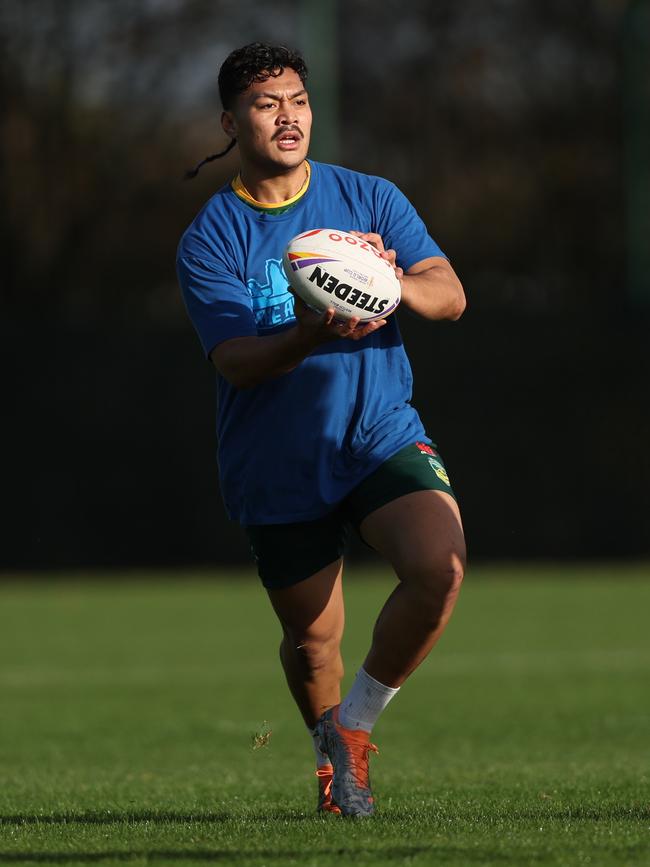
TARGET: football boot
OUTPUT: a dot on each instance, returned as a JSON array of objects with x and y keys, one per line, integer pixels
[{"x": 348, "y": 750}]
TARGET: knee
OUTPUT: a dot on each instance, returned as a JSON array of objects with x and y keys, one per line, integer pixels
[
  {"x": 314, "y": 653},
  {"x": 436, "y": 586},
  {"x": 449, "y": 575},
  {"x": 440, "y": 576}
]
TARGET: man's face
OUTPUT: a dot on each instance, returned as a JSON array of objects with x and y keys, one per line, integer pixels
[{"x": 272, "y": 122}]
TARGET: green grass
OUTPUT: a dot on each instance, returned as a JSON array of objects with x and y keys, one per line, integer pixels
[{"x": 127, "y": 709}]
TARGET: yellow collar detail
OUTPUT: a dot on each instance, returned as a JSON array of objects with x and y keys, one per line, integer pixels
[{"x": 243, "y": 193}]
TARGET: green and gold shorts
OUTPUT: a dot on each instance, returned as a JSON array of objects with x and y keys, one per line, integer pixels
[{"x": 289, "y": 553}]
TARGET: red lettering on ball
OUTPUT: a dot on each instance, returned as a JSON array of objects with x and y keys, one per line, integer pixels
[{"x": 334, "y": 237}]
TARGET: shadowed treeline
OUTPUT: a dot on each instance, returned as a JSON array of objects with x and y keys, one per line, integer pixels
[{"x": 502, "y": 122}]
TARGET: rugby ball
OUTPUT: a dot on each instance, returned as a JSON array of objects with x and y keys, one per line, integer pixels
[{"x": 331, "y": 268}]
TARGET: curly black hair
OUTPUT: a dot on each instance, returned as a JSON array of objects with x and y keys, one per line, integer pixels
[{"x": 255, "y": 62}]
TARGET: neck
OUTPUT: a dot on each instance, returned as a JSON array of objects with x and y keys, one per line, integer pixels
[{"x": 275, "y": 189}]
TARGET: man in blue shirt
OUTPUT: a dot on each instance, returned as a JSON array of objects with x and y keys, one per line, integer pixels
[{"x": 316, "y": 430}]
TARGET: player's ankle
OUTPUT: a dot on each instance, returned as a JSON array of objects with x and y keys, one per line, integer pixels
[
  {"x": 322, "y": 759},
  {"x": 365, "y": 702}
]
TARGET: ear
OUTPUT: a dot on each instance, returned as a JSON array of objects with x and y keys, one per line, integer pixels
[{"x": 229, "y": 124}]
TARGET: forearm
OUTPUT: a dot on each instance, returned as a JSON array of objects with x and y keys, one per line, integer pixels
[
  {"x": 249, "y": 361},
  {"x": 436, "y": 293}
]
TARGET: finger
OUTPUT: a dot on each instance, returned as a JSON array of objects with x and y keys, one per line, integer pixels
[
  {"x": 371, "y": 237},
  {"x": 365, "y": 330},
  {"x": 348, "y": 328},
  {"x": 374, "y": 239},
  {"x": 328, "y": 316}
]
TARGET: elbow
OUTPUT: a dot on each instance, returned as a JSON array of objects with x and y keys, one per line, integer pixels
[
  {"x": 459, "y": 305},
  {"x": 240, "y": 379},
  {"x": 233, "y": 368}
]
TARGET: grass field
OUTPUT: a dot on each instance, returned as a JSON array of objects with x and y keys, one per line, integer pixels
[{"x": 127, "y": 709}]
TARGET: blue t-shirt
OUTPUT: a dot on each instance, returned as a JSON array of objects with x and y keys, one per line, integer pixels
[{"x": 294, "y": 446}]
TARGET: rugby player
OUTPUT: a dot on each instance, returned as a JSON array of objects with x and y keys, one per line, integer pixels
[{"x": 315, "y": 427}]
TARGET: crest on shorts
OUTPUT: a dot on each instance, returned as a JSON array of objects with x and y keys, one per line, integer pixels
[{"x": 440, "y": 471}]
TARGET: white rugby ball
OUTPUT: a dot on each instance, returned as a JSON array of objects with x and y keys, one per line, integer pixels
[{"x": 331, "y": 268}]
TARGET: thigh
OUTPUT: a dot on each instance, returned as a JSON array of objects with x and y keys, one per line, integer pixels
[
  {"x": 420, "y": 534},
  {"x": 416, "y": 467},
  {"x": 301, "y": 565},
  {"x": 312, "y": 608},
  {"x": 287, "y": 554}
]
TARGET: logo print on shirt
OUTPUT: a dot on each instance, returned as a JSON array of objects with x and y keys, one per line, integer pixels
[{"x": 272, "y": 301}]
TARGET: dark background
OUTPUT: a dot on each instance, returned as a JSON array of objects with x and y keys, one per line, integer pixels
[{"x": 518, "y": 130}]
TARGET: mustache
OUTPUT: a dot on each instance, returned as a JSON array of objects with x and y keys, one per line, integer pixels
[{"x": 286, "y": 129}]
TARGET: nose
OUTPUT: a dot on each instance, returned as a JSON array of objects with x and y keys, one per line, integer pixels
[{"x": 287, "y": 113}]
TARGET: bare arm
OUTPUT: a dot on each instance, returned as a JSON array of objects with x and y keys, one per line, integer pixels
[
  {"x": 249, "y": 361},
  {"x": 430, "y": 288}
]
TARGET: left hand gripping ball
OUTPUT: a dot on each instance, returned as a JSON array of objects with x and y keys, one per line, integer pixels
[{"x": 330, "y": 268}]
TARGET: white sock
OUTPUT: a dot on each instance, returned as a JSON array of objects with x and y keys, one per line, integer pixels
[
  {"x": 321, "y": 757},
  {"x": 361, "y": 707}
]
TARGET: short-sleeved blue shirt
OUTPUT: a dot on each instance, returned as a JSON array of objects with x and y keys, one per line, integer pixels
[{"x": 291, "y": 448}]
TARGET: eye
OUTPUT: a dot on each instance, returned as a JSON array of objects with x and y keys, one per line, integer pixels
[
  {"x": 301, "y": 101},
  {"x": 266, "y": 105}
]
